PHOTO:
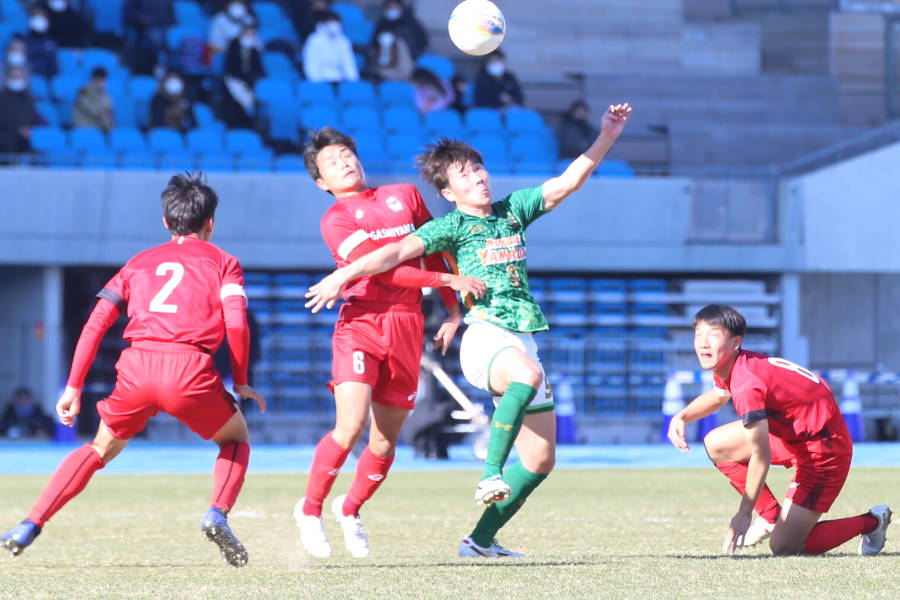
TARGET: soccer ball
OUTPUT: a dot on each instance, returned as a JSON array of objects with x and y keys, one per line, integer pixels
[{"x": 477, "y": 27}]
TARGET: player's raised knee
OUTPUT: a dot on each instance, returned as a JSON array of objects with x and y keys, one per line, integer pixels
[
  {"x": 529, "y": 374},
  {"x": 785, "y": 547}
]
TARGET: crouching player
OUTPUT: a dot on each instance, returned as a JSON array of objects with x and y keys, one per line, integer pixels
[
  {"x": 788, "y": 417},
  {"x": 498, "y": 351},
  {"x": 182, "y": 298}
]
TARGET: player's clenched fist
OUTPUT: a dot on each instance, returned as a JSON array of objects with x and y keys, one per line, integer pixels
[{"x": 69, "y": 405}]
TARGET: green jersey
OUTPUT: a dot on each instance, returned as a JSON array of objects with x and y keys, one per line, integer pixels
[{"x": 493, "y": 250}]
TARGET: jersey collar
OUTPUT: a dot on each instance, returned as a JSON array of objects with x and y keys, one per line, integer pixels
[{"x": 364, "y": 196}]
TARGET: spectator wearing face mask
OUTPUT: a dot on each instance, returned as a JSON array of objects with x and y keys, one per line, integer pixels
[
  {"x": 146, "y": 22},
  {"x": 16, "y": 53},
  {"x": 305, "y": 14},
  {"x": 40, "y": 47},
  {"x": 328, "y": 54},
  {"x": 431, "y": 91},
  {"x": 17, "y": 113},
  {"x": 575, "y": 130},
  {"x": 398, "y": 18},
  {"x": 93, "y": 106},
  {"x": 66, "y": 25},
  {"x": 495, "y": 86},
  {"x": 389, "y": 58},
  {"x": 170, "y": 106},
  {"x": 243, "y": 67},
  {"x": 24, "y": 417},
  {"x": 227, "y": 24}
]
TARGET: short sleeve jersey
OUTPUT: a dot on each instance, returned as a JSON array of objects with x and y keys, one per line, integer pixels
[
  {"x": 383, "y": 215},
  {"x": 174, "y": 292},
  {"x": 798, "y": 403},
  {"x": 493, "y": 249}
]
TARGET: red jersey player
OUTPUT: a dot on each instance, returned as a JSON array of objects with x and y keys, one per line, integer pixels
[
  {"x": 789, "y": 417},
  {"x": 377, "y": 342},
  {"x": 181, "y": 298}
]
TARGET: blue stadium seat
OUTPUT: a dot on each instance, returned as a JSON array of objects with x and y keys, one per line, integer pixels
[
  {"x": 204, "y": 115},
  {"x": 139, "y": 159},
  {"x": 269, "y": 89},
  {"x": 361, "y": 118},
  {"x": 284, "y": 120},
  {"x": 524, "y": 120},
  {"x": 402, "y": 147},
  {"x": 217, "y": 161},
  {"x": 397, "y": 94},
  {"x": 317, "y": 117},
  {"x": 47, "y": 111},
  {"x": 100, "y": 159},
  {"x": 243, "y": 141},
  {"x": 142, "y": 87},
  {"x": 614, "y": 168},
  {"x": 444, "y": 123},
  {"x": 483, "y": 120},
  {"x": 187, "y": 12},
  {"x": 127, "y": 139},
  {"x": 273, "y": 23},
  {"x": 65, "y": 87},
  {"x": 259, "y": 160},
  {"x": 372, "y": 152},
  {"x": 493, "y": 147},
  {"x": 108, "y": 16},
  {"x": 401, "y": 119},
  {"x": 39, "y": 88},
  {"x": 88, "y": 140},
  {"x": 166, "y": 140},
  {"x": 535, "y": 168},
  {"x": 359, "y": 32},
  {"x": 100, "y": 57},
  {"x": 529, "y": 147},
  {"x": 49, "y": 139},
  {"x": 177, "y": 160},
  {"x": 204, "y": 141},
  {"x": 278, "y": 65},
  {"x": 13, "y": 12},
  {"x": 439, "y": 65},
  {"x": 349, "y": 13},
  {"x": 604, "y": 289},
  {"x": 289, "y": 163},
  {"x": 648, "y": 286},
  {"x": 315, "y": 92},
  {"x": 69, "y": 62},
  {"x": 356, "y": 92}
]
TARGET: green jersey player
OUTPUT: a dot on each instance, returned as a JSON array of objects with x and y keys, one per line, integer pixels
[{"x": 498, "y": 353}]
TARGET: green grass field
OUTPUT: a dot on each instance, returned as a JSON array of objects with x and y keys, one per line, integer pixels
[{"x": 587, "y": 534}]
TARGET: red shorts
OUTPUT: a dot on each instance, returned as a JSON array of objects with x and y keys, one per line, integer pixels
[
  {"x": 177, "y": 379},
  {"x": 380, "y": 345},
  {"x": 821, "y": 468}
]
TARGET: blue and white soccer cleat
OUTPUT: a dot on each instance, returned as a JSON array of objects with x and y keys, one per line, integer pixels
[
  {"x": 871, "y": 543},
  {"x": 491, "y": 489},
  {"x": 20, "y": 537},
  {"x": 215, "y": 528},
  {"x": 468, "y": 548}
]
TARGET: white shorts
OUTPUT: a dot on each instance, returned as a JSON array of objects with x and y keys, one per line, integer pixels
[{"x": 482, "y": 342}]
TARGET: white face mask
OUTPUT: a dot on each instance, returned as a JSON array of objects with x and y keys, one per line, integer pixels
[
  {"x": 248, "y": 41},
  {"x": 39, "y": 23},
  {"x": 386, "y": 38},
  {"x": 332, "y": 28},
  {"x": 16, "y": 59},
  {"x": 173, "y": 86},
  {"x": 16, "y": 85},
  {"x": 392, "y": 14},
  {"x": 57, "y": 5},
  {"x": 236, "y": 10},
  {"x": 496, "y": 68}
]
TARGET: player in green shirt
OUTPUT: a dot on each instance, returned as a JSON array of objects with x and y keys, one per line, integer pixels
[{"x": 498, "y": 353}]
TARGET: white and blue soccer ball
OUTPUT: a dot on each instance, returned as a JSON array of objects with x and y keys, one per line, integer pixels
[{"x": 477, "y": 27}]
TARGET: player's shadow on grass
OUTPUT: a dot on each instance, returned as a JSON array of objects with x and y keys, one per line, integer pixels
[{"x": 510, "y": 563}]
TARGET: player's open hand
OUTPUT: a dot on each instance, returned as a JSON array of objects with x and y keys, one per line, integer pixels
[
  {"x": 444, "y": 335},
  {"x": 325, "y": 293},
  {"x": 69, "y": 405},
  {"x": 613, "y": 121},
  {"x": 472, "y": 285},
  {"x": 676, "y": 434},
  {"x": 734, "y": 537},
  {"x": 245, "y": 391}
]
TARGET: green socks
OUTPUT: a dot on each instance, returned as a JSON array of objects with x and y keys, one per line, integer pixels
[
  {"x": 522, "y": 482},
  {"x": 507, "y": 421}
]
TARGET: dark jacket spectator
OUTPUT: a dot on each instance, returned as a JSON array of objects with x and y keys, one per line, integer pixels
[
  {"x": 306, "y": 13},
  {"x": 66, "y": 25},
  {"x": 461, "y": 89},
  {"x": 495, "y": 86},
  {"x": 148, "y": 14},
  {"x": 576, "y": 133},
  {"x": 389, "y": 58},
  {"x": 170, "y": 106},
  {"x": 23, "y": 417},
  {"x": 397, "y": 17},
  {"x": 40, "y": 47},
  {"x": 146, "y": 22},
  {"x": 93, "y": 106},
  {"x": 17, "y": 113},
  {"x": 243, "y": 67}
]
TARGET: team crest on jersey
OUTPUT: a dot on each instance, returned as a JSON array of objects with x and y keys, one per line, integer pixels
[
  {"x": 394, "y": 204},
  {"x": 476, "y": 229},
  {"x": 514, "y": 222}
]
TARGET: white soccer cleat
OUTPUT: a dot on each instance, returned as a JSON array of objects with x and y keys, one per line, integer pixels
[
  {"x": 871, "y": 543},
  {"x": 469, "y": 548},
  {"x": 355, "y": 538},
  {"x": 491, "y": 489},
  {"x": 312, "y": 532},
  {"x": 759, "y": 531}
]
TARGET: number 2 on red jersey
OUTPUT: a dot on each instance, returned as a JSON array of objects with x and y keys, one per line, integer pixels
[{"x": 158, "y": 304}]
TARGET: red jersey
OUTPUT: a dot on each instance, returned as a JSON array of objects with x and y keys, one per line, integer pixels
[
  {"x": 374, "y": 218},
  {"x": 798, "y": 404}
]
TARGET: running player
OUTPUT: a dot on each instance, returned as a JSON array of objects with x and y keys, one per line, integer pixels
[
  {"x": 788, "y": 417},
  {"x": 377, "y": 342},
  {"x": 181, "y": 299},
  {"x": 498, "y": 352}
]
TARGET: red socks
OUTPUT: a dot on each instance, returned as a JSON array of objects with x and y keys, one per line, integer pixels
[
  {"x": 371, "y": 471},
  {"x": 327, "y": 462},
  {"x": 766, "y": 506},
  {"x": 70, "y": 478},
  {"x": 228, "y": 474},
  {"x": 831, "y": 534}
]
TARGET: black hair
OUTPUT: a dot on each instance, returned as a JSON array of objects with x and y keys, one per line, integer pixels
[
  {"x": 723, "y": 316},
  {"x": 188, "y": 202},
  {"x": 99, "y": 73},
  {"x": 440, "y": 156},
  {"x": 425, "y": 76},
  {"x": 327, "y": 136},
  {"x": 327, "y": 16}
]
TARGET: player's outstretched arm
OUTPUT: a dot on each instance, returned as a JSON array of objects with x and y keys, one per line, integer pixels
[
  {"x": 757, "y": 470},
  {"x": 559, "y": 188},
  {"x": 703, "y": 405}
]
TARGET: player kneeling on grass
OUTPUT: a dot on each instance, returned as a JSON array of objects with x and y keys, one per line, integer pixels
[
  {"x": 788, "y": 417},
  {"x": 498, "y": 352},
  {"x": 181, "y": 298}
]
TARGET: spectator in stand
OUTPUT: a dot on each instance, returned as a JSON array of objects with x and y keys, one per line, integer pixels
[
  {"x": 398, "y": 18},
  {"x": 17, "y": 113},
  {"x": 66, "y": 25},
  {"x": 40, "y": 47},
  {"x": 328, "y": 54},
  {"x": 243, "y": 66},
  {"x": 461, "y": 89},
  {"x": 16, "y": 54},
  {"x": 170, "y": 106},
  {"x": 389, "y": 58},
  {"x": 306, "y": 13},
  {"x": 146, "y": 22},
  {"x": 24, "y": 418},
  {"x": 93, "y": 106},
  {"x": 432, "y": 92},
  {"x": 575, "y": 130},
  {"x": 227, "y": 24},
  {"x": 495, "y": 86}
]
